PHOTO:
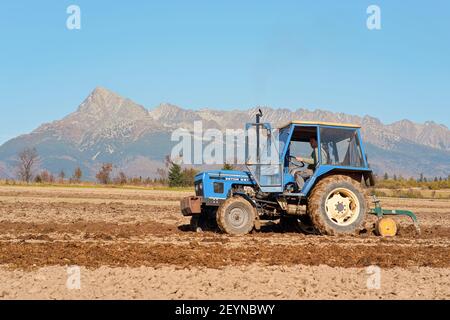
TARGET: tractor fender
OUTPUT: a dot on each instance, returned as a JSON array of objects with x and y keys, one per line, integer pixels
[
  {"x": 369, "y": 179},
  {"x": 365, "y": 177}
]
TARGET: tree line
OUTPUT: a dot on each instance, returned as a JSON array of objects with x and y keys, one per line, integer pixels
[
  {"x": 172, "y": 174},
  {"x": 397, "y": 181}
]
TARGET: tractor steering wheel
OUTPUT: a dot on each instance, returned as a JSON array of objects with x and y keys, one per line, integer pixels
[{"x": 295, "y": 162}]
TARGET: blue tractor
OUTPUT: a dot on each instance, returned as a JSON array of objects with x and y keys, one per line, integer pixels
[{"x": 325, "y": 194}]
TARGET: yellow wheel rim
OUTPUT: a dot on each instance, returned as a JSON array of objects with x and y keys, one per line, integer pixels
[
  {"x": 342, "y": 206},
  {"x": 387, "y": 227}
]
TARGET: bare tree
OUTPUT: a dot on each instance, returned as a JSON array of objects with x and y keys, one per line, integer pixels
[
  {"x": 47, "y": 177},
  {"x": 28, "y": 159},
  {"x": 121, "y": 178},
  {"x": 162, "y": 173},
  {"x": 61, "y": 176},
  {"x": 103, "y": 175},
  {"x": 189, "y": 176},
  {"x": 77, "y": 174}
]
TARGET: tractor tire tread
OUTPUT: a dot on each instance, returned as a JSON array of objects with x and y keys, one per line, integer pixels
[
  {"x": 221, "y": 215},
  {"x": 315, "y": 199}
]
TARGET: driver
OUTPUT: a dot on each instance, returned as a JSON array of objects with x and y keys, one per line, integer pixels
[{"x": 302, "y": 175}]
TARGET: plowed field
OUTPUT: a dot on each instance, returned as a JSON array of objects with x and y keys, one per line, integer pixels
[{"x": 136, "y": 244}]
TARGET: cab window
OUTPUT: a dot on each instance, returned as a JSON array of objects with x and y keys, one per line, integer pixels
[{"x": 342, "y": 147}]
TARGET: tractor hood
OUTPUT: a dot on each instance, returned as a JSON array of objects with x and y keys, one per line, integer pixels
[
  {"x": 215, "y": 185},
  {"x": 227, "y": 175}
]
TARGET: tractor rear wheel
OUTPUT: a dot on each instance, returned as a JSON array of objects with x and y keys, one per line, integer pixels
[
  {"x": 338, "y": 205},
  {"x": 236, "y": 216}
]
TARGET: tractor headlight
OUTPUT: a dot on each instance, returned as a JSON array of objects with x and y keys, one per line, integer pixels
[{"x": 198, "y": 188}]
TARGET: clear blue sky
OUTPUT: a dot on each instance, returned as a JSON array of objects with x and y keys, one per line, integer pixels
[{"x": 313, "y": 54}]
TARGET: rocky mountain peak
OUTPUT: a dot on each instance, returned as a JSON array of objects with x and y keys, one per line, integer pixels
[
  {"x": 165, "y": 109},
  {"x": 429, "y": 133},
  {"x": 104, "y": 103},
  {"x": 171, "y": 114},
  {"x": 371, "y": 121}
]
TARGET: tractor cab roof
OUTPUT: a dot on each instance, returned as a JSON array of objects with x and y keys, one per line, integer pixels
[{"x": 320, "y": 123}]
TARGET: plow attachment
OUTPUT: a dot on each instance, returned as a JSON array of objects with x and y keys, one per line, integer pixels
[{"x": 387, "y": 226}]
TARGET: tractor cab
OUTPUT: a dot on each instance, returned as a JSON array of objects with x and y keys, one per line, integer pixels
[{"x": 303, "y": 151}]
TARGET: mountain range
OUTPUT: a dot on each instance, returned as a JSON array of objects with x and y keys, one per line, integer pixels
[{"x": 109, "y": 128}]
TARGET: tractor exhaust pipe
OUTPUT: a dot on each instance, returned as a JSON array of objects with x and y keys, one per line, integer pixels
[
  {"x": 258, "y": 153},
  {"x": 258, "y": 117}
]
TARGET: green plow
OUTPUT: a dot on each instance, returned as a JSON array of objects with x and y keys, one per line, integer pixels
[{"x": 380, "y": 213}]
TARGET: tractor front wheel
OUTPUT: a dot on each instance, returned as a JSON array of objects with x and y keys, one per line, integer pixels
[
  {"x": 338, "y": 205},
  {"x": 236, "y": 216}
]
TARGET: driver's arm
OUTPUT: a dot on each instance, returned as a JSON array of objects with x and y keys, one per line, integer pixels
[{"x": 305, "y": 160}]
